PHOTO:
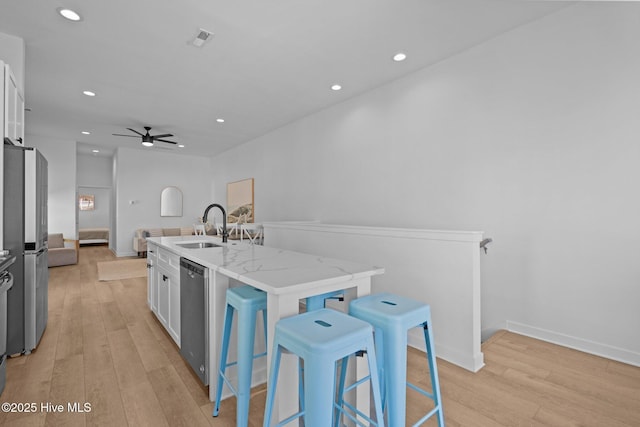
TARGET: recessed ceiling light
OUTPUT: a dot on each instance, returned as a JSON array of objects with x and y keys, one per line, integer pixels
[
  {"x": 84, "y": 132},
  {"x": 95, "y": 151},
  {"x": 398, "y": 57},
  {"x": 220, "y": 120},
  {"x": 181, "y": 145},
  {"x": 89, "y": 93},
  {"x": 71, "y": 15},
  {"x": 336, "y": 87}
]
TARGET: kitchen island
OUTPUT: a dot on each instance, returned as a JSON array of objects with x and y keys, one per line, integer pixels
[{"x": 286, "y": 277}]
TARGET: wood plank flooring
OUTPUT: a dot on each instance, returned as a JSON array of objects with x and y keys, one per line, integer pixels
[{"x": 104, "y": 347}]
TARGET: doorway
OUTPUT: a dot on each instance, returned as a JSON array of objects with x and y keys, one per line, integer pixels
[{"x": 94, "y": 215}]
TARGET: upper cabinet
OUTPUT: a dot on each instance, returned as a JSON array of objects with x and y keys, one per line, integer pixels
[{"x": 13, "y": 116}]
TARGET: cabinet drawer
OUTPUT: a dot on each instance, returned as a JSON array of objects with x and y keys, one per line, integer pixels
[
  {"x": 169, "y": 261},
  {"x": 152, "y": 253}
]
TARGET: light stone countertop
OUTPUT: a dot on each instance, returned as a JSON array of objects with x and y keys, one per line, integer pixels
[{"x": 273, "y": 270}]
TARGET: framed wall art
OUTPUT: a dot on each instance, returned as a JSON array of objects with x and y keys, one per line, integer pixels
[
  {"x": 86, "y": 202},
  {"x": 240, "y": 201}
]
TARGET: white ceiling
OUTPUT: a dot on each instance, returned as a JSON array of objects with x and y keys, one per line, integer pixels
[{"x": 268, "y": 64}]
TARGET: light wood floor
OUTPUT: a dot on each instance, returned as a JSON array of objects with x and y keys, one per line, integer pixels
[{"x": 104, "y": 347}]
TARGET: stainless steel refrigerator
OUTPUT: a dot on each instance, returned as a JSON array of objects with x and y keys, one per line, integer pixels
[{"x": 25, "y": 236}]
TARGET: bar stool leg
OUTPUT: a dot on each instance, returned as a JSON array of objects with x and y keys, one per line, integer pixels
[
  {"x": 433, "y": 372},
  {"x": 395, "y": 370},
  {"x": 272, "y": 385},
  {"x": 247, "y": 323},
  {"x": 379, "y": 345},
  {"x": 228, "y": 314},
  {"x": 319, "y": 386},
  {"x": 374, "y": 379},
  {"x": 375, "y": 382},
  {"x": 340, "y": 399}
]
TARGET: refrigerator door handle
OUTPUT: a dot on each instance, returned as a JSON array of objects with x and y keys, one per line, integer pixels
[{"x": 36, "y": 253}]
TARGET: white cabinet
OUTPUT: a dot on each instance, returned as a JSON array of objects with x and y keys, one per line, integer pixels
[
  {"x": 152, "y": 282},
  {"x": 13, "y": 117},
  {"x": 19, "y": 118},
  {"x": 174, "y": 308},
  {"x": 163, "y": 288},
  {"x": 163, "y": 297}
]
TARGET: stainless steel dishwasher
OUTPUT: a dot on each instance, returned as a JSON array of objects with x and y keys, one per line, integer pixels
[{"x": 194, "y": 309}]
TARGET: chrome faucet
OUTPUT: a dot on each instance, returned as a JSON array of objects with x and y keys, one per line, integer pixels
[{"x": 225, "y": 234}]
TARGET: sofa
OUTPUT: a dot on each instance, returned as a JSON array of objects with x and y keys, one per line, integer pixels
[
  {"x": 141, "y": 234},
  {"x": 62, "y": 251}
]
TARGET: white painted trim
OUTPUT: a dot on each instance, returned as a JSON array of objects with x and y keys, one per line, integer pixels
[
  {"x": 598, "y": 349},
  {"x": 404, "y": 233},
  {"x": 487, "y": 333}
]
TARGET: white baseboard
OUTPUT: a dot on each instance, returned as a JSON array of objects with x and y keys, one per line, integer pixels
[
  {"x": 416, "y": 340},
  {"x": 487, "y": 333},
  {"x": 123, "y": 254},
  {"x": 598, "y": 349}
]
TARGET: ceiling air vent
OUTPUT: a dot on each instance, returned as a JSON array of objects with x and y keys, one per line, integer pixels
[{"x": 201, "y": 37}]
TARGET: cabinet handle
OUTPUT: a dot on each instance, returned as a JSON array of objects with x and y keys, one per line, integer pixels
[
  {"x": 20, "y": 140},
  {"x": 164, "y": 278}
]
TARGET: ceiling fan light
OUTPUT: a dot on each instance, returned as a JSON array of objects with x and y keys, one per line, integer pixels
[{"x": 147, "y": 143}]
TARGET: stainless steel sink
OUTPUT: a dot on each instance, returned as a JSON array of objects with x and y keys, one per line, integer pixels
[{"x": 198, "y": 245}]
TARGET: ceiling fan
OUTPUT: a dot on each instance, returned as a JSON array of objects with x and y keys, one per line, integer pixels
[{"x": 148, "y": 139}]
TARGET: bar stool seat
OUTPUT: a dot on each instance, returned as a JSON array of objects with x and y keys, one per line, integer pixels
[
  {"x": 247, "y": 301},
  {"x": 392, "y": 316},
  {"x": 317, "y": 302},
  {"x": 320, "y": 338}
]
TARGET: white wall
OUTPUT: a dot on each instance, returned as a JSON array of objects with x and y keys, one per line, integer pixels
[
  {"x": 140, "y": 178},
  {"x": 531, "y": 137},
  {"x": 100, "y": 215},
  {"x": 95, "y": 171},
  {"x": 61, "y": 158}
]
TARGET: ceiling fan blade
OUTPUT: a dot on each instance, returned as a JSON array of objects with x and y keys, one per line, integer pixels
[
  {"x": 130, "y": 136},
  {"x": 164, "y": 135},
  {"x": 133, "y": 130},
  {"x": 164, "y": 140}
]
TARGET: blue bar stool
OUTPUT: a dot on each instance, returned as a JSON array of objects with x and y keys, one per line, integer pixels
[
  {"x": 320, "y": 338},
  {"x": 392, "y": 316},
  {"x": 318, "y": 301},
  {"x": 247, "y": 300}
]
